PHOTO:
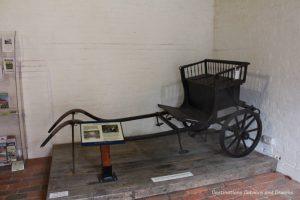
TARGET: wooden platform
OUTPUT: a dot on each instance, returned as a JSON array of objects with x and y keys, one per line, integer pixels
[{"x": 136, "y": 162}]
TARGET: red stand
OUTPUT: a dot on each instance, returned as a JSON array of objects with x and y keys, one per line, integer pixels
[{"x": 107, "y": 174}]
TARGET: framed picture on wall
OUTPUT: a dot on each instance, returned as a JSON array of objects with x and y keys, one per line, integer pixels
[
  {"x": 9, "y": 65},
  {"x": 8, "y": 44},
  {"x": 101, "y": 133}
]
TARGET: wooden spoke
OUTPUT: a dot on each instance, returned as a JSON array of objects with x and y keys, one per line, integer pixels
[
  {"x": 233, "y": 141},
  {"x": 229, "y": 137},
  {"x": 237, "y": 122},
  {"x": 244, "y": 120},
  {"x": 249, "y": 124},
  {"x": 251, "y": 139},
  {"x": 236, "y": 125},
  {"x": 244, "y": 143},
  {"x": 238, "y": 144},
  {"x": 251, "y": 130}
]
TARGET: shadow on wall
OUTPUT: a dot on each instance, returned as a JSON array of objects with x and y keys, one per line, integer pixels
[
  {"x": 255, "y": 90},
  {"x": 172, "y": 94}
]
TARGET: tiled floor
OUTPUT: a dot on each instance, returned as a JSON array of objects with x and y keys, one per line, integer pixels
[{"x": 32, "y": 184}]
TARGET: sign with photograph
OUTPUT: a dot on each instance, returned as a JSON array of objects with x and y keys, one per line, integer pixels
[
  {"x": 9, "y": 65},
  {"x": 101, "y": 133},
  {"x": 8, "y": 44}
]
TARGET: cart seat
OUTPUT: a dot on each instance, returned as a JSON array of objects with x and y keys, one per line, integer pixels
[{"x": 186, "y": 113}]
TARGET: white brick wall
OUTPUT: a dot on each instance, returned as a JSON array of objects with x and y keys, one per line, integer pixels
[
  {"x": 266, "y": 33},
  {"x": 119, "y": 58},
  {"x": 113, "y": 58}
]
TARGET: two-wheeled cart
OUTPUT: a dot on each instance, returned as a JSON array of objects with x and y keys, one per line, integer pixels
[{"x": 211, "y": 96}]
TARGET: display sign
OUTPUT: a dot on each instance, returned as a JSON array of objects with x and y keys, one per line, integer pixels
[
  {"x": 8, "y": 44},
  {"x": 8, "y": 65},
  {"x": 101, "y": 133}
]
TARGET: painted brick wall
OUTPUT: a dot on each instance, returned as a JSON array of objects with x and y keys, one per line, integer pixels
[
  {"x": 266, "y": 33},
  {"x": 113, "y": 58}
]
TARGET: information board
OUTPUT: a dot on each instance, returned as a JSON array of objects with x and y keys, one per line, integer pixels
[{"x": 101, "y": 133}]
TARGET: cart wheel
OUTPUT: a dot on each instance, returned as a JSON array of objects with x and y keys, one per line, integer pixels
[{"x": 240, "y": 133}]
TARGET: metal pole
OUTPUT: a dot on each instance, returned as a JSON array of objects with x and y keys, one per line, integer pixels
[{"x": 73, "y": 146}]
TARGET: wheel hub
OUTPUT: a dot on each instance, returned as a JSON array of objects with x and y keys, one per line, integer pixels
[
  {"x": 245, "y": 135},
  {"x": 242, "y": 134}
]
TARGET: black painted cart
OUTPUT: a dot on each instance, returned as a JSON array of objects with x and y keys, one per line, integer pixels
[{"x": 211, "y": 87}]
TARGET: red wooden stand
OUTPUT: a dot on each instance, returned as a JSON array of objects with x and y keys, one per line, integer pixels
[{"x": 107, "y": 173}]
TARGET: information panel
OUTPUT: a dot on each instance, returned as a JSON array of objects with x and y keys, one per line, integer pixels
[{"x": 101, "y": 133}]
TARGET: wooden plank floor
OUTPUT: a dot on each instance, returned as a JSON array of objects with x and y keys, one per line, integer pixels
[
  {"x": 273, "y": 186},
  {"x": 19, "y": 185},
  {"x": 137, "y": 161}
]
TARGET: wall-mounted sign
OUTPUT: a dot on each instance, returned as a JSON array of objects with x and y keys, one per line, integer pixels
[
  {"x": 8, "y": 44},
  {"x": 9, "y": 65}
]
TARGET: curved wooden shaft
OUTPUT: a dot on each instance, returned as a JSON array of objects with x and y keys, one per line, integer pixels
[
  {"x": 58, "y": 128},
  {"x": 73, "y": 111}
]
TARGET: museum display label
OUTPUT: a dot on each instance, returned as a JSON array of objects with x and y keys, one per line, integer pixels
[{"x": 101, "y": 133}]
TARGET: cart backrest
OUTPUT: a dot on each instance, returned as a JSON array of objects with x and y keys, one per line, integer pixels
[
  {"x": 201, "y": 79},
  {"x": 217, "y": 68}
]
